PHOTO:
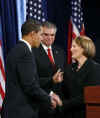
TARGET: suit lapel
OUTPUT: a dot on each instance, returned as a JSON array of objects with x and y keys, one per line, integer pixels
[
  {"x": 43, "y": 55},
  {"x": 55, "y": 55}
]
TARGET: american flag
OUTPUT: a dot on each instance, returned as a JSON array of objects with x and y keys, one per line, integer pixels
[
  {"x": 37, "y": 9},
  {"x": 2, "y": 72},
  {"x": 30, "y": 9},
  {"x": 76, "y": 25}
]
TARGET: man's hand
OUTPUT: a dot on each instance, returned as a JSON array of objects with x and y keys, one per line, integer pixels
[
  {"x": 53, "y": 103},
  {"x": 56, "y": 98},
  {"x": 58, "y": 76}
]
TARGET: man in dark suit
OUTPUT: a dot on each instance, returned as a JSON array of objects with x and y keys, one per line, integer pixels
[
  {"x": 49, "y": 70},
  {"x": 23, "y": 93}
]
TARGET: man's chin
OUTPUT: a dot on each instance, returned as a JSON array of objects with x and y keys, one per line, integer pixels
[
  {"x": 37, "y": 46},
  {"x": 73, "y": 58}
]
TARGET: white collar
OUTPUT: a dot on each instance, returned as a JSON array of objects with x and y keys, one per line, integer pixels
[
  {"x": 45, "y": 47},
  {"x": 26, "y": 42}
]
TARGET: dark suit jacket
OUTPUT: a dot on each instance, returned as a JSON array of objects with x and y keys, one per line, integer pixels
[
  {"x": 74, "y": 83},
  {"x": 46, "y": 70},
  {"x": 23, "y": 93}
]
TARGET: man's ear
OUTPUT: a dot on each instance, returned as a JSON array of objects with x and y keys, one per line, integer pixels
[{"x": 31, "y": 34}]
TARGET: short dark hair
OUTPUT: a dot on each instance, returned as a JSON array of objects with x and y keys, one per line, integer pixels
[
  {"x": 29, "y": 26},
  {"x": 49, "y": 25}
]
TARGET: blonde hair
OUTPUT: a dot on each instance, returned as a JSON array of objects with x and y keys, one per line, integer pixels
[{"x": 87, "y": 44}]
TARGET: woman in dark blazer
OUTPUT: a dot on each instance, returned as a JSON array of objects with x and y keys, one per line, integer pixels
[{"x": 83, "y": 72}]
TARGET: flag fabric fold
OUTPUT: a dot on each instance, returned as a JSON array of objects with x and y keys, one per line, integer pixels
[
  {"x": 2, "y": 70},
  {"x": 76, "y": 24},
  {"x": 37, "y": 9},
  {"x": 30, "y": 9},
  {"x": 9, "y": 24},
  {"x": 8, "y": 38},
  {"x": 21, "y": 15}
]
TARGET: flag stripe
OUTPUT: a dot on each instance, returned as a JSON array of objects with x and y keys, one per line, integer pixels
[
  {"x": 69, "y": 42},
  {"x": 2, "y": 81},
  {"x": 83, "y": 30},
  {"x": 1, "y": 101},
  {"x": 2, "y": 70},
  {"x": 2, "y": 92}
]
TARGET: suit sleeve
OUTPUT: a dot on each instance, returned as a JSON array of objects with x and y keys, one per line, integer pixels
[
  {"x": 28, "y": 79},
  {"x": 46, "y": 81}
]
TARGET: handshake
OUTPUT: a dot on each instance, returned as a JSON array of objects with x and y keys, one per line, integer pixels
[{"x": 55, "y": 100}]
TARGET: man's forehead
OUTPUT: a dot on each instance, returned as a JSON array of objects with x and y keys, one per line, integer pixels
[{"x": 45, "y": 29}]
